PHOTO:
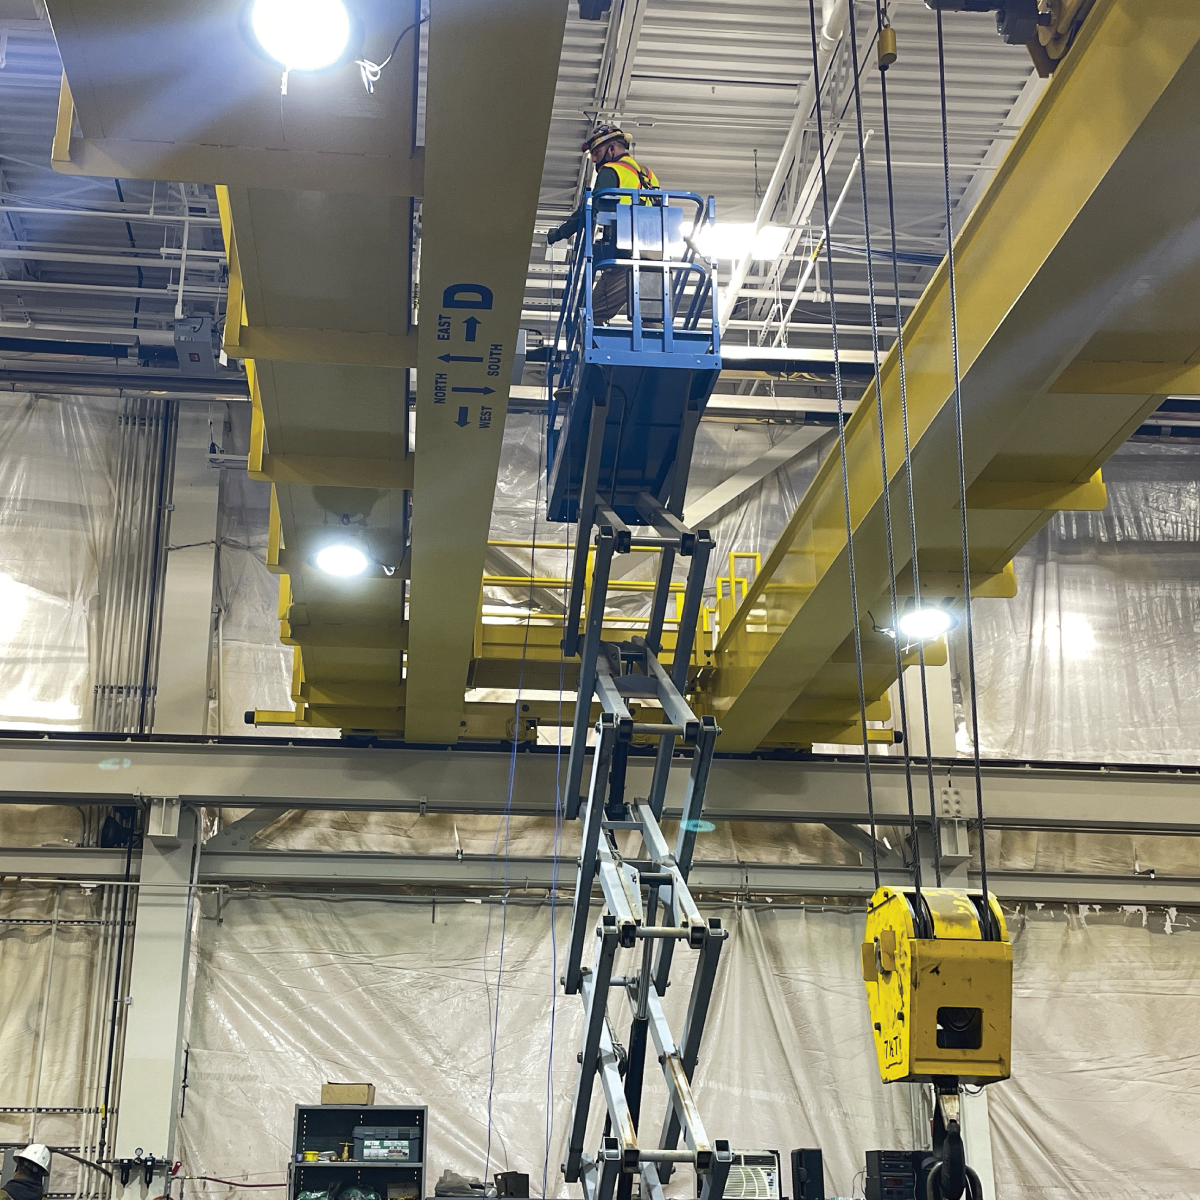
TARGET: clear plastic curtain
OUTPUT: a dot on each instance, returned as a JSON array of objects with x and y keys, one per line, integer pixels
[
  {"x": 56, "y": 515},
  {"x": 751, "y": 523},
  {"x": 1098, "y": 656},
  {"x": 292, "y": 991},
  {"x": 254, "y": 669}
]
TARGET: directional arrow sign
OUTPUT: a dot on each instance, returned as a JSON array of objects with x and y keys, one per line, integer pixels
[
  {"x": 461, "y": 419},
  {"x": 479, "y": 391},
  {"x": 472, "y": 324},
  {"x": 459, "y": 358}
]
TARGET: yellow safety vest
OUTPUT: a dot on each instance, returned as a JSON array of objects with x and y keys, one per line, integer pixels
[{"x": 632, "y": 175}]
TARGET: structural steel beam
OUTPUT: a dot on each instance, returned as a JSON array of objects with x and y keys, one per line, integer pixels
[
  {"x": 298, "y": 775},
  {"x": 152, "y": 1048},
  {"x": 491, "y": 67},
  {"x": 705, "y": 507},
  {"x": 1041, "y": 281},
  {"x": 316, "y": 869}
]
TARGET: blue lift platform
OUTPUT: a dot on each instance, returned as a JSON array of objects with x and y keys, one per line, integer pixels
[
  {"x": 650, "y": 376},
  {"x": 627, "y": 399}
]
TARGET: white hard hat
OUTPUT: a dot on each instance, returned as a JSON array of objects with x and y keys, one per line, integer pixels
[{"x": 36, "y": 1153}]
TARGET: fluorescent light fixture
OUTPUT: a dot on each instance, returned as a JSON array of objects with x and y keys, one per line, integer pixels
[
  {"x": 732, "y": 239},
  {"x": 926, "y": 623},
  {"x": 342, "y": 560},
  {"x": 302, "y": 35}
]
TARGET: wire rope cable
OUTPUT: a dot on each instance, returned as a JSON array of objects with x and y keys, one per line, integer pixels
[
  {"x": 556, "y": 849},
  {"x": 962, "y": 466},
  {"x": 885, "y": 475},
  {"x": 881, "y": 17},
  {"x": 558, "y": 830},
  {"x": 841, "y": 413},
  {"x": 505, "y": 830}
]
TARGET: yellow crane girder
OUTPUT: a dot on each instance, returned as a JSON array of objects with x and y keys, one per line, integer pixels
[{"x": 1078, "y": 295}]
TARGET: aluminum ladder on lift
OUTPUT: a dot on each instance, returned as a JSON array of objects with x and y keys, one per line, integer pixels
[{"x": 628, "y": 400}]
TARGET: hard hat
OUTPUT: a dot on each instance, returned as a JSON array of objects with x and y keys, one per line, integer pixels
[
  {"x": 602, "y": 135},
  {"x": 37, "y": 1154}
]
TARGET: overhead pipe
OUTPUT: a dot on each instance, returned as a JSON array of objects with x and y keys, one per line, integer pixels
[
  {"x": 105, "y": 661},
  {"x": 832, "y": 28},
  {"x": 87, "y": 383},
  {"x": 137, "y": 629},
  {"x": 131, "y": 522},
  {"x": 810, "y": 266},
  {"x": 805, "y": 201},
  {"x": 155, "y": 218},
  {"x": 168, "y": 259},
  {"x": 148, "y": 689}
]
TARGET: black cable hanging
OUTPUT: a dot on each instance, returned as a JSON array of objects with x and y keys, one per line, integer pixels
[
  {"x": 885, "y": 475},
  {"x": 962, "y": 467},
  {"x": 837, "y": 379},
  {"x": 881, "y": 17}
]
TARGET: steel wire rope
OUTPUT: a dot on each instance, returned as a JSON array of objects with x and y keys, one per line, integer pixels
[
  {"x": 962, "y": 472},
  {"x": 841, "y": 412},
  {"x": 506, "y": 829},
  {"x": 880, "y": 13},
  {"x": 555, "y": 848},
  {"x": 885, "y": 476},
  {"x": 556, "y": 845}
]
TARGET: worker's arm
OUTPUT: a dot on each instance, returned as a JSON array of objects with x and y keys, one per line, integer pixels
[{"x": 606, "y": 178}]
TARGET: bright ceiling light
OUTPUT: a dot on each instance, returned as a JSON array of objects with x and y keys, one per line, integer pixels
[
  {"x": 342, "y": 560},
  {"x": 303, "y": 35},
  {"x": 732, "y": 239},
  {"x": 1071, "y": 635},
  {"x": 925, "y": 624}
]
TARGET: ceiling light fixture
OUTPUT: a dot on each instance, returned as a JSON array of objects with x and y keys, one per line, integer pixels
[
  {"x": 342, "y": 560},
  {"x": 733, "y": 239},
  {"x": 926, "y": 623},
  {"x": 302, "y": 35}
]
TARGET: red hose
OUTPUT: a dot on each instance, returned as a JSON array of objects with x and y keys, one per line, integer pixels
[{"x": 234, "y": 1183}]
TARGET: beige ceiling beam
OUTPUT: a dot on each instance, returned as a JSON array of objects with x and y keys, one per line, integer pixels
[
  {"x": 178, "y": 90},
  {"x": 318, "y": 277},
  {"x": 492, "y": 74}
]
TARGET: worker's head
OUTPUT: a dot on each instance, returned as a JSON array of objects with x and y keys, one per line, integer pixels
[
  {"x": 32, "y": 1164},
  {"x": 606, "y": 143}
]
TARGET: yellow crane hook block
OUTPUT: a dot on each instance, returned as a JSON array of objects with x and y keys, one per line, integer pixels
[{"x": 939, "y": 988}]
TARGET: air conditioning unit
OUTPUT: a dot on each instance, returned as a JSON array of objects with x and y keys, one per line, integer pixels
[{"x": 753, "y": 1175}]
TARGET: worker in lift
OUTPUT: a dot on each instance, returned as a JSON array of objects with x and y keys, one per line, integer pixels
[
  {"x": 608, "y": 148},
  {"x": 33, "y": 1169}
]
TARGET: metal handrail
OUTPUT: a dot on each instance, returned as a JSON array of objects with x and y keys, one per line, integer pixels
[{"x": 575, "y": 318}]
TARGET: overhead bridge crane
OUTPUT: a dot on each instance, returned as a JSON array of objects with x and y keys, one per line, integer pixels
[
  {"x": 1063, "y": 349},
  {"x": 1063, "y": 355},
  {"x": 1078, "y": 309}
]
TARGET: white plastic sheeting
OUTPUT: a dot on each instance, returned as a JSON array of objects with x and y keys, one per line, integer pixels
[
  {"x": 752, "y": 524},
  {"x": 58, "y": 466},
  {"x": 1105, "y": 1099},
  {"x": 1098, "y": 656},
  {"x": 292, "y": 992},
  {"x": 409, "y": 833},
  {"x": 57, "y": 958},
  {"x": 56, "y": 511},
  {"x": 254, "y": 668},
  {"x": 1105, "y": 1095}
]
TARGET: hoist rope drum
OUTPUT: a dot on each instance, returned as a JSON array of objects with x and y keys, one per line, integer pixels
[{"x": 937, "y": 965}]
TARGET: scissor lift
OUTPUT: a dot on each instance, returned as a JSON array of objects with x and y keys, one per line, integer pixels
[{"x": 628, "y": 397}]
